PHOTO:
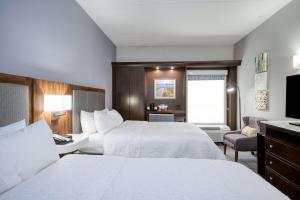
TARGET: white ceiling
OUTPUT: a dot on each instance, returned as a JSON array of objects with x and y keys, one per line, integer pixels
[{"x": 179, "y": 22}]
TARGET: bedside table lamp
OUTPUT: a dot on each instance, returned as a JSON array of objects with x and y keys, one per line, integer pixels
[{"x": 57, "y": 105}]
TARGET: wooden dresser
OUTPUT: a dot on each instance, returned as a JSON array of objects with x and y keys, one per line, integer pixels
[{"x": 282, "y": 157}]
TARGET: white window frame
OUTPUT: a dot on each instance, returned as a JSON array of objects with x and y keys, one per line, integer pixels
[{"x": 208, "y": 72}]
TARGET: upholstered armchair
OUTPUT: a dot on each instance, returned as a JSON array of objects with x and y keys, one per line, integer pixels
[{"x": 239, "y": 142}]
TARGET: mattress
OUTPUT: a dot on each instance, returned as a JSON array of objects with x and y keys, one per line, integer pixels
[
  {"x": 160, "y": 139},
  {"x": 78, "y": 177}
]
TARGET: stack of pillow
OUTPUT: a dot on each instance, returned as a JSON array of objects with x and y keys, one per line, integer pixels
[
  {"x": 96, "y": 124},
  {"x": 24, "y": 151}
]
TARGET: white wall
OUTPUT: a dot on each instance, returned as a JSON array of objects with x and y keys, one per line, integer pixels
[
  {"x": 174, "y": 53},
  {"x": 280, "y": 36},
  {"x": 55, "y": 40}
]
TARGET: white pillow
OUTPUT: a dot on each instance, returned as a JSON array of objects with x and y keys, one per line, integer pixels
[
  {"x": 11, "y": 128},
  {"x": 116, "y": 115},
  {"x": 104, "y": 122},
  {"x": 87, "y": 122},
  {"x": 30, "y": 149},
  {"x": 8, "y": 173},
  {"x": 248, "y": 131}
]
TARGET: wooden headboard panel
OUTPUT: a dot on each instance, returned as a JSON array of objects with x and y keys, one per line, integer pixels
[
  {"x": 37, "y": 89},
  {"x": 43, "y": 87}
]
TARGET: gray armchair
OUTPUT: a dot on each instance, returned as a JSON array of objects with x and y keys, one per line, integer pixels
[{"x": 239, "y": 142}]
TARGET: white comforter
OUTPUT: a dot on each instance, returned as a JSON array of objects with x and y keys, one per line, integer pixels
[
  {"x": 83, "y": 177},
  {"x": 160, "y": 139}
]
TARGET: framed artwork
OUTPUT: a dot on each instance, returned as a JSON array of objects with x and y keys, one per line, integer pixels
[
  {"x": 262, "y": 62},
  {"x": 261, "y": 81},
  {"x": 164, "y": 89},
  {"x": 262, "y": 100}
]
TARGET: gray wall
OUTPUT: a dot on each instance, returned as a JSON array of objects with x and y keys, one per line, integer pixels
[
  {"x": 280, "y": 36},
  {"x": 54, "y": 40},
  {"x": 175, "y": 53}
]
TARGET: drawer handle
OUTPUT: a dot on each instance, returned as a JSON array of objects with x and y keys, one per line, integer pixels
[
  {"x": 271, "y": 146},
  {"x": 270, "y": 178},
  {"x": 271, "y": 162}
]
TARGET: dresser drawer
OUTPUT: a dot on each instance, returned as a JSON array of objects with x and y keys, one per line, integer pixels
[
  {"x": 289, "y": 172},
  {"x": 283, "y": 150},
  {"x": 283, "y": 185}
]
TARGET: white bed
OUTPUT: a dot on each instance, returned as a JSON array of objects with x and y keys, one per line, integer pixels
[
  {"x": 137, "y": 138},
  {"x": 160, "y": 139},
  {"x": 86, "y": 177}
]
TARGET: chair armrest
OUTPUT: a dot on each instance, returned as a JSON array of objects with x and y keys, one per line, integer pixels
[{"x": 246, "y": 144}]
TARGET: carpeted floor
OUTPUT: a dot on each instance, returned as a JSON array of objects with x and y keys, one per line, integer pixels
[{"x": 245, "y": 158}]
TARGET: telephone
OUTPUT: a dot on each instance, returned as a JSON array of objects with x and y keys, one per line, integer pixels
[{"x": 61, "y": 140}]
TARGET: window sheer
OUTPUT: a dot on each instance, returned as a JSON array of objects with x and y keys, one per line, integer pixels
[{"x": 206, "y": 97}]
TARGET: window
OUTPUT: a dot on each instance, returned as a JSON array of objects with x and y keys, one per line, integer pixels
[{"x": 206, "y": 96}]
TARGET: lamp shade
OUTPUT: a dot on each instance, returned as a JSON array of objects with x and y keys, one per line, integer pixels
[
  {"x": 55, "y": 103},
  {"x": 296, "y": 61}
]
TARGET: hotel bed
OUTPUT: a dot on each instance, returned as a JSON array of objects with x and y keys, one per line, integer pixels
[
  {"x": 160, "y": 139},
  {"x": 113, "y": 178},
  {"x": 30, "y": 172},
  {"x": 141, "y": 138}
]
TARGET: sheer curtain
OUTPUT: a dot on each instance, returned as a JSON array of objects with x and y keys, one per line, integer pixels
[{"x": 206, "y": 96}]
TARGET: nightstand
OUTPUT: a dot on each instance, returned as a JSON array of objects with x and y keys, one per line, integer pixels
[{"x": 79, "y": 141}]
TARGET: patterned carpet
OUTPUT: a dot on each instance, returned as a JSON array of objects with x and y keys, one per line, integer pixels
[{"x": 245, "y": 158}]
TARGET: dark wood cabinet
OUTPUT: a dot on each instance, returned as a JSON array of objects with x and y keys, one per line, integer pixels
[
  {"x": 128, "y": 92},
  {"x": 282, "y": 159},
  {"x": 261, "y": 154}
]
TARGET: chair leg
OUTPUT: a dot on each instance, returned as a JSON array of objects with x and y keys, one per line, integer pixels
[
  {"x": 225, "y": 149},
  {"x": 236, "y": 156}
]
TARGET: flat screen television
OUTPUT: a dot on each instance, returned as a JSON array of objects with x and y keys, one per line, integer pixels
[{"x": 293, "y": 97}]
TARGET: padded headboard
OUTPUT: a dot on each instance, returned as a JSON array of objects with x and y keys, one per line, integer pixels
[
  {"x": 14, "y": 103},
  {"x": 88, "y": 101}
]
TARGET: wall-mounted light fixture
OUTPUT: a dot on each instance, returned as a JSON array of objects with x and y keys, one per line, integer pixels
[
  {"x": 172, "y": 68},
  {"x": 157, "y": 67},
  {"x": 296, "y": 61},
  {"x": 57, "y": 105}
]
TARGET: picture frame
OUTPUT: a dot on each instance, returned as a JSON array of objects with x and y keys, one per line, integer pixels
[
  {"x": 165, "y": 89},
  {"x": 262, "y": 62}
]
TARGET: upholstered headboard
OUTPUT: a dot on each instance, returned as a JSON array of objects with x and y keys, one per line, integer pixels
[
  {"x": 14, "y": 103},
  {"x": 88, "y": 101}
]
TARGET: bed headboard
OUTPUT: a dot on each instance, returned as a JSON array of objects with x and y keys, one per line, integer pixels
[
  {"x": 15, "y": 99},
  {"x": 88, "y": 101}
]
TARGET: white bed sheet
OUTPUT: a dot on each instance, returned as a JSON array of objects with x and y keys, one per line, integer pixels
[
  {"x": 84, "y": 177},
  {"x": 160, "y": 139},
  {"x": 94, "y": 145}
]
